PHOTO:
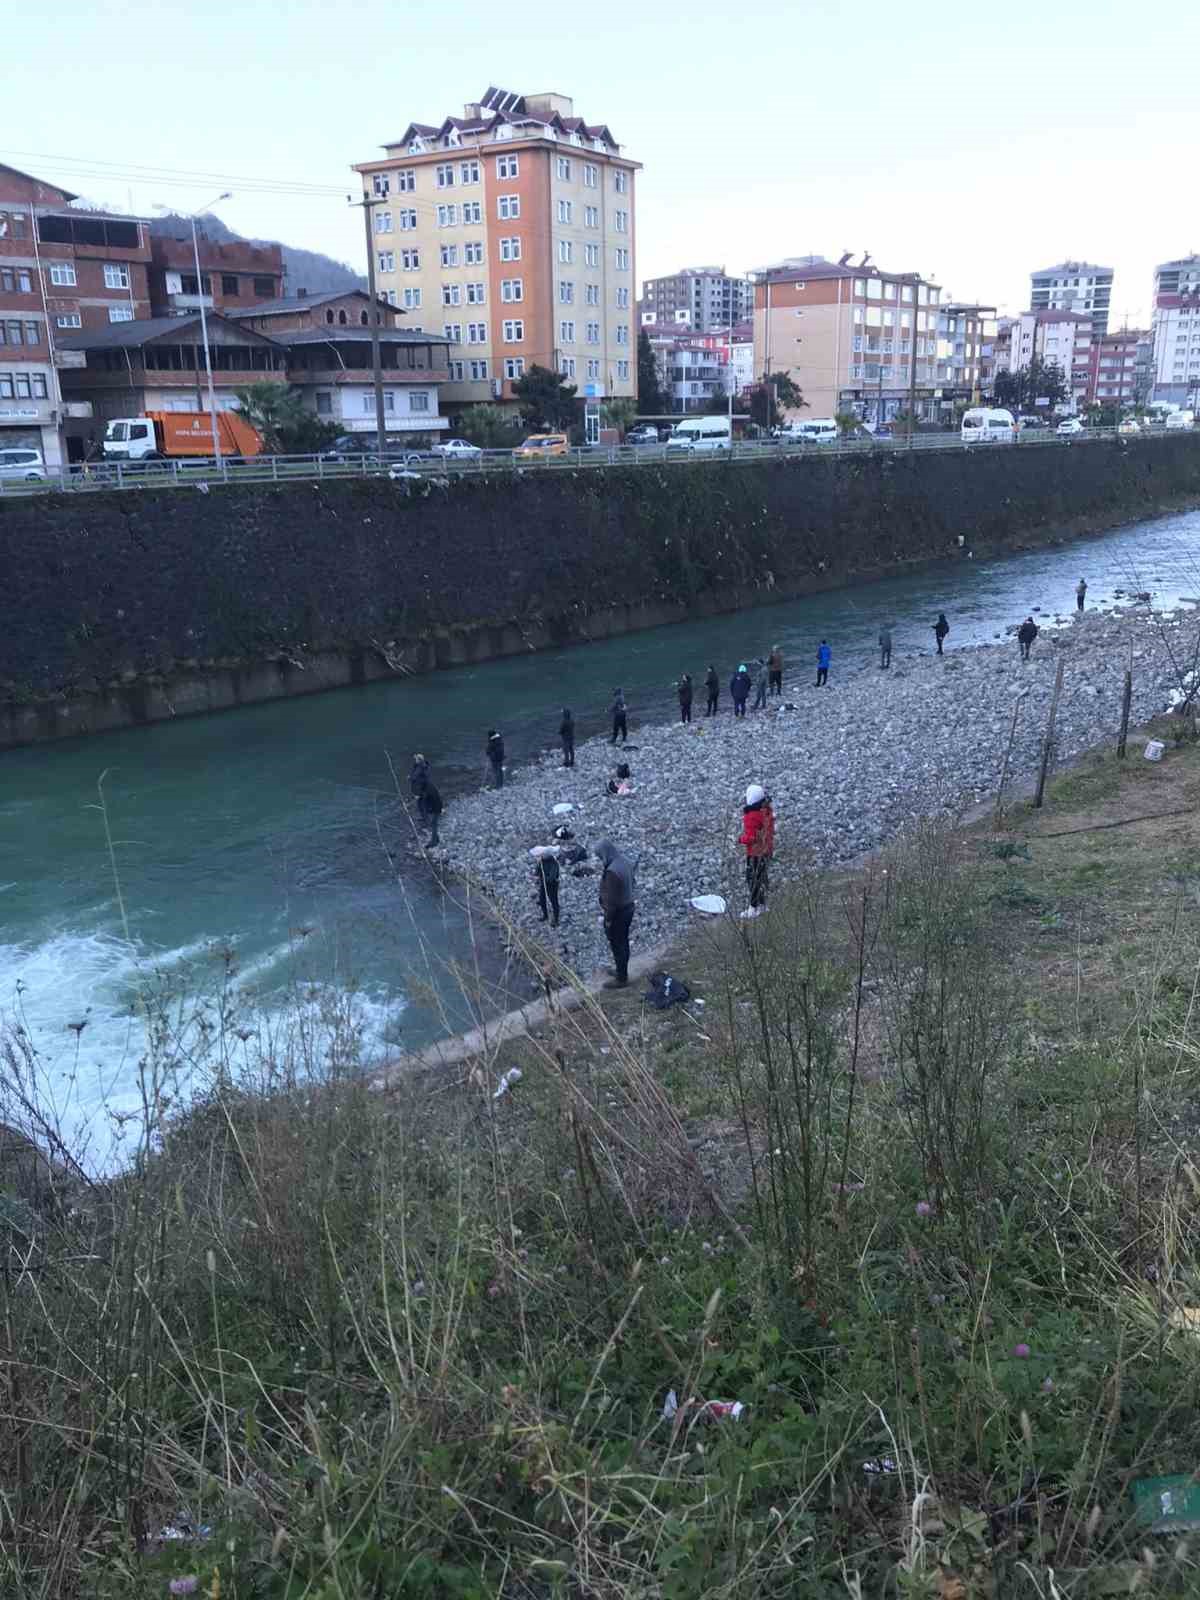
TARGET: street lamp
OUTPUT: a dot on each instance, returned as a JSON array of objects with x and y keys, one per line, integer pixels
[{"x": 212, "y": 399}]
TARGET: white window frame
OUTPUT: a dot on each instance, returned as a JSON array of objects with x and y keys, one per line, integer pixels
[
  {"x": 508, "y": 166},
  {"x": 477, "y": 294},
  {"x": 593, "y": 367},
  {"x": 477, "y": 333},
  {"x": 386, "y": 261},
  {"x": 444, "y": 175},
  {"x": 62, "y": 273},
  {"x": 514, "y": 367},
  {"x": 472, "y": 212},
  {"x": 451, "y": 294},
  {"x": 623, "y": 371},
  {"x": 68, "y": 319},
  {"x": 621, "y": 182},
  {"x": 418, "y": 400},
  {"x": 383, "y": 222},
  {"x": 514, "y": 331},
  {"x": 121, "y": 313},
  {"x": 407, "y": 220},
  {"x": 449, "y": 255},
  {"x": 623, "y": 299},
  {"x": 562, "y": 168},
  {"x": 592, "y": 333},
  {"x": 468, "y": 171},
  {"x": 510, "y": 248},
  {"x": 410, "y": 260},
  {"x": 566, "y": 292},
  {"x": 566, "y": 211},
  {"x": 508, "y": 207},
  {"x": 566, "y": 332},
  {"x": 380, "y": 183},
  {"x": 566, "y": 366},
  {"x": 566, "y": 252},
  {"x": 591, "y": 294},
  {"x": 621, "y": 221},
  {"x": 116, "y": 275},
  {"x": 406, "y": 180},
  {"x": 452, "y": 331},
  {"x": 473, "y": 253},
  {"x": 412, "y": 299},
  {"x": 447, "y": 215},
  {"x": 591, "y": 216},
  {"x": 456, "y": 371},
  {"x": 622, "y": 334},
  {"x": 512, "y": 290},
  {"x": 622, "y": 259},
  {"x": 590, "y": 174}
]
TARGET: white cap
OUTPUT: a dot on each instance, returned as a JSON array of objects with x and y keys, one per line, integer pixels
[{"x": 755, "y": 793}]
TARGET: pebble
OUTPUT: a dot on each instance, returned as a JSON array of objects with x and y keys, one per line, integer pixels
[{"x": 849, "y": 768}]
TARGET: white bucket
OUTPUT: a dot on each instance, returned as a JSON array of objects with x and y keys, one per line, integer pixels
[{"x": 1154, "y": 750}]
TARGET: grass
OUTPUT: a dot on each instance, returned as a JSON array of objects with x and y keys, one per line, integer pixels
[{"x": 915, "y": 1184}]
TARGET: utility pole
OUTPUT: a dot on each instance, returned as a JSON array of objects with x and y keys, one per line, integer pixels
[
  {"x": 912, "y": 379},
  {"x": 368, "y": 204}
]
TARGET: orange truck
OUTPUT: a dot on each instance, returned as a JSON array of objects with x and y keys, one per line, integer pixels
[{"x": 173, "y": 435}]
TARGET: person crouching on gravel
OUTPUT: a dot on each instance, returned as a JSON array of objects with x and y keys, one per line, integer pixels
[{"x": 758, "y": 836}]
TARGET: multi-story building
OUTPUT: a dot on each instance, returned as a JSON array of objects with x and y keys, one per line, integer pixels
[
  {"x": 854, "y": 338},
  {"x": 1056, "y": 338},
  {"x": 158, "y": 364},
  {"x": 741, "y": 355},
  {"x": 999, "y": 358},
  {"x": 702, "y": 299},
  {"x": 511, "y": 231},
  {"x": 60, "y": 271},
  {"x": 1117, "y": 374},
  {"x": 328, "y": 343},
  {"x": 965, "y": 335},
  {"x": 233, "y": 274},
  {"x": 696, "y": 372},
  {"x": 1073, "y": 286},
  {"x": 1176, "y": 331}
]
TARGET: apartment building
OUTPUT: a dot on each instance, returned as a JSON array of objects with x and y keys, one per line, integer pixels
[
  {"x": 511, "y": 232},
  {"x": 702, "y": 299},
  {"x": 1057, "y": 338},
  {"x": 1118, "y": 369},
  {"x": 854, "y": 338},
  {"x": 1176, "y": 331},
  {"x": 696, "y": 372},
  {"x": 1073, "y": 286},
  {"x": 233, "y": 274},
  {"x": 61, "y": 270},
  {"x": 965, "y": 334}
]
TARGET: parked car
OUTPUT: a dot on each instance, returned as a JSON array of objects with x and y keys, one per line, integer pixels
[
  {"x": 1129, "y": 426},
  {"x": 814, "y": 430},
  {"x": 1032, "y": 425},
  {"x": 988, "y": 425},
  {"x": 1069, "y": 425},
  {"x": 21, "y": 463},
  {"x": 457, "y": 450},
  {"x": 358, "y": 447},
  {"x": 643, "y": 433},
  {"x": 1177, "y": 420},
  {"x": 539, "y": 446},
  {"x": 700, "y": 434}
]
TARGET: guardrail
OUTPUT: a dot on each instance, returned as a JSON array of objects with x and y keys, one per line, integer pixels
[{"x": 205, "y": 472}]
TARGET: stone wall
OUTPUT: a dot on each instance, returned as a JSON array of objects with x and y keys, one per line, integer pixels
[{"x": 125, "y": 607}]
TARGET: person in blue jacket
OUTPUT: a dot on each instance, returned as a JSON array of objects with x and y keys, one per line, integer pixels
[{"x": 824, "y": 654}]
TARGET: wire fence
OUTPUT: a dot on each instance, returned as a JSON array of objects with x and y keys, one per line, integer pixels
[{"x": 407, "y": 465}]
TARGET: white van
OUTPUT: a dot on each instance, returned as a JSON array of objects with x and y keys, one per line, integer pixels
[
  {"x": 700, "y": 433},
  {"x": 982, "y": 425},
  {"x": 815, "y": 430}
]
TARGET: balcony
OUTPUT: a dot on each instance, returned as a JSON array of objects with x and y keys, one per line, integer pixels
[{"x": 182, "y": 305}]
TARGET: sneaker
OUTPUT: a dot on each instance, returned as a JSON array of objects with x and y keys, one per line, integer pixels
[{"x": 751, "y": 912}]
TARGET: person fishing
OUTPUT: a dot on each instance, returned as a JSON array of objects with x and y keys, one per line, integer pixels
[
  {"x": 684, "y": 690},
  {"x": 1080, "y": 593},
  {"x": 566, "y": 734},
  {"x": 940, "y": 629},
  {"x": 418, "y": 782},
  {"x": 885, "y": 647},
  {"x": 760, "y": 686},
  {"x": 775, "y": 669},
  {"x": 546, "y": 874}
]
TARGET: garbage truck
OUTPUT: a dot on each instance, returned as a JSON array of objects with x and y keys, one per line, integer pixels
[{"x": 172, "y": 435}]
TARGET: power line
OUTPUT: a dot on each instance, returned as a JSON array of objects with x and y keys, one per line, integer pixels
[{"x": 93, "y": 167}]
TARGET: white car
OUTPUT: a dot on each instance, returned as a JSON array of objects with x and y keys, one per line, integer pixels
[
  {"x": 1178, "y": 421},
  {"x": 1129, "y": 426},
  {"x": 457, "y": 450},
  {"x": 23, "y": 464},
  {"x": 1069, "y": 425}
]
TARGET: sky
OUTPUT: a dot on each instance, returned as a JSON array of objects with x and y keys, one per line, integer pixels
[{"x": 972, "y": 144}]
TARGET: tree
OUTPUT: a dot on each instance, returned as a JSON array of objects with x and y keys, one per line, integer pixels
[
  {"x": 776, "y": 394},
  {"x": 849, "y": 423},
  {"x": 652, "y": 402},
  {"x": 619, "y": 412},
  {"x": 1022, "y": 390},
  {"x": 546, "y": 401},
  {"x": 278, "y": 414},
  {"x": 490, "y": 427}
]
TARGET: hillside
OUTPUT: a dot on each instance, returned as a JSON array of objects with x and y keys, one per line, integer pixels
[{"x": 305, "y": 269}]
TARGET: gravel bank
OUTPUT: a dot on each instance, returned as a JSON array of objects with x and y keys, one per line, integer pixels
[{"x": 849, "y": 767}]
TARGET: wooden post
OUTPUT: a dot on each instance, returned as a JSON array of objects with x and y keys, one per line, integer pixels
[
  {"x": 1012, "y": 734},
  {"x": 1048, "y": 743},
  {"x": 1126, "y": 702}
]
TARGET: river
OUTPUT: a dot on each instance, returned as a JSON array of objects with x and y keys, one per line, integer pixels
[{"x": 262, "y": 853}]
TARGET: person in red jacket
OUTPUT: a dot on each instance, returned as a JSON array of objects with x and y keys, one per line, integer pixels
[{"x": 758, "y": 836}]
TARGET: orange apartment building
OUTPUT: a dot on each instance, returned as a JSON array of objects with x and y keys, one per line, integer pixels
[
  {"x": 854, "y": 338},
  {"x": 510, "y": 231}
]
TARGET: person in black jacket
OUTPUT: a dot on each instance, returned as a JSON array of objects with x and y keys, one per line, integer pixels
[
  {"x": 684, "y": 690},
  {"x": 495, "y": 755},
  {"x": 545, "y": 881},
  {"x": 739, "y": 689},
  {"x": 1026, "y": 634},
  {"x": 940, "y": 629},
  {"x": 418, "y": 782},
  {"x": 712, "y": 685},
  {"x": 566, "y": 732},
  {"x": 620, "y": 724}
]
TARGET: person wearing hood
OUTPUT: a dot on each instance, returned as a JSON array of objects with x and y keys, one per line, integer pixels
[
  {"x": 495, "y": 755},
  {"x": 760, "y": 686},
  {"x": 739, "y": 689},
  {"x": 758, "y": 837},
  {"x": 619, "y": 714},
  {"x": 684, "y": 690},
  {"x": 566, "y": 733},
  {"x": 1026, "y": 634},
  {"x": 618, "y": 901},
  {"x": 940, "y": 629},
  {"x": 712, "y": 686},
  {"x": 885, "y": 646},
  {"x": 775, "y": 669}
]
